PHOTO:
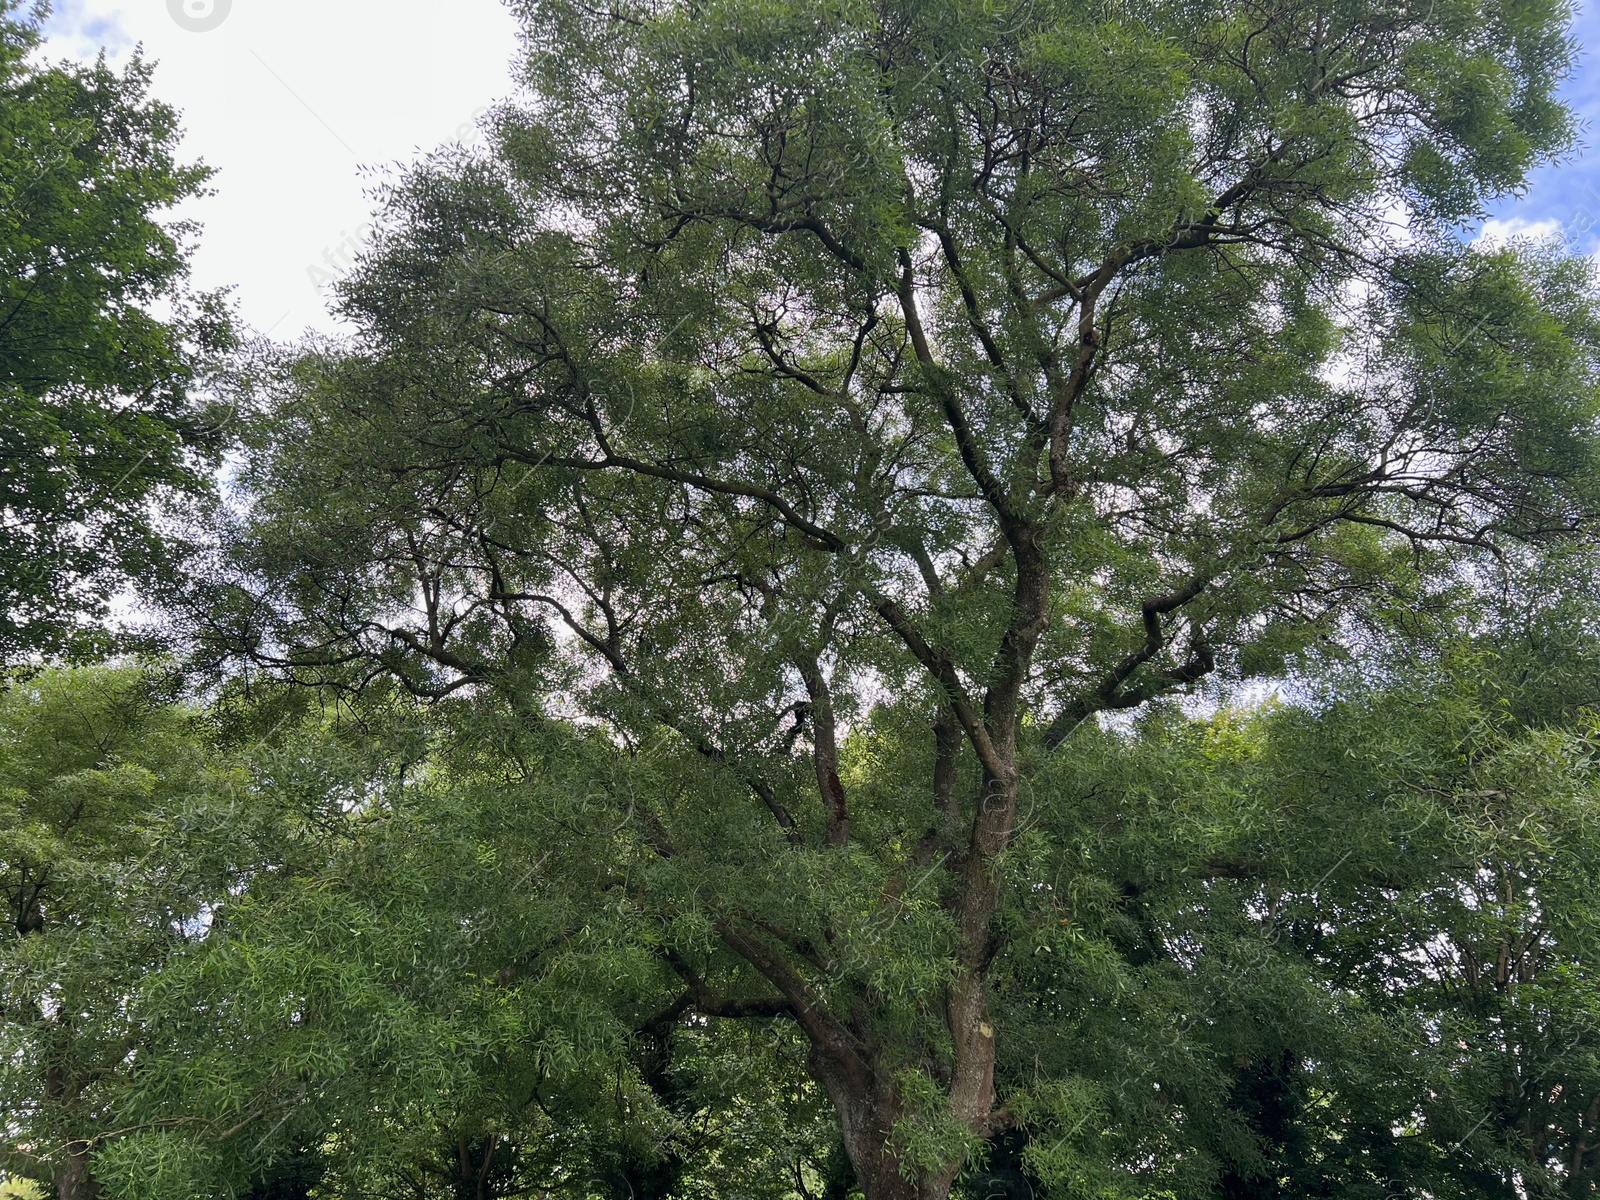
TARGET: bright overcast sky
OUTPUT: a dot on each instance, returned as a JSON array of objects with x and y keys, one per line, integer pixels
[{"x": 302, "y": 104}]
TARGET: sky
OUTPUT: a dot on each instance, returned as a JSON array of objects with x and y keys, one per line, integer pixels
[
  {"x": 1564, "y": 198},
  {"x": 303, "y": 106}
]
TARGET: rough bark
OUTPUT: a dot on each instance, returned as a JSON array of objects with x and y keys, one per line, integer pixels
[{"x": 74, "y": 1181}]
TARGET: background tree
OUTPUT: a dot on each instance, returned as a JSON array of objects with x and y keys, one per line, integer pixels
[
  {"x": 101, "y": 340},
  {"x": 1331, "y": 951},
  {"x": 1014, "y": 363},
  {"x": 112, "y": 854}
]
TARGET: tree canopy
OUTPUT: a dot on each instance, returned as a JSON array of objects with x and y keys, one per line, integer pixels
[
  {"x": 747, "y": 673},
  {"x": 995, "y": 365}
]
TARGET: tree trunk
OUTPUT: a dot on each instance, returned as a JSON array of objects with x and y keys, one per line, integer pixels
[
  {"x": 867, "y": 1125},
  {"x": 866, "y": 1121},
  {"x": 863, "y": 1094},
  {"x": 73, "y": 1179},
  {"x": 867, "y": 1100}
]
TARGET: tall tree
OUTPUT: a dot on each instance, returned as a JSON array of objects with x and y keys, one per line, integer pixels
[
  {"x": 1014, "y": 363},
  {"x": 101, "y": 339}
]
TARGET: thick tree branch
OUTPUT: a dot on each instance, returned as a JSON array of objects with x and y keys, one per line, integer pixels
[
  {"x": 825, "y": 753},
  {"x": 701, "y": 999},
  {"x": 1110, "y": 694}
]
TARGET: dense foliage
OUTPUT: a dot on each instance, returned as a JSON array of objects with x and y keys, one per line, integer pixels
[
  {"x": 1336, "y": 948},
  {"x": 904, "y": 601},
  {"x": 101, "y": 341},
  {"x": 115, "y": 840},
  {"x": 995, "y": 366}
]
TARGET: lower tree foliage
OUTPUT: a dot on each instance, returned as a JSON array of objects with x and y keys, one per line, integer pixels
[
  {"x": 1329, "y": 953},
  {"x": 1337, "y": 947},
  {"x": 120, "y": 830}
]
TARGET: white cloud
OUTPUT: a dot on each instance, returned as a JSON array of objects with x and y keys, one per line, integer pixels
[
  {"x": 1496, "y": 232},
  {"x": 302, "y": 105}
]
